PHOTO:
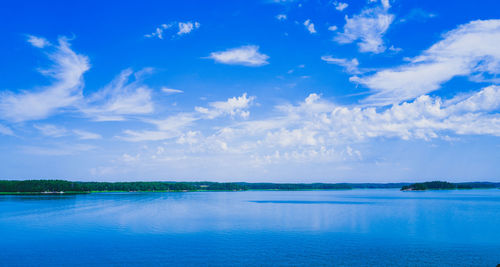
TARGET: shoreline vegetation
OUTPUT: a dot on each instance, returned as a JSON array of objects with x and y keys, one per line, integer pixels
[
  {"x": 63, "y": 187},
  {"x": 440, "y": 185}
]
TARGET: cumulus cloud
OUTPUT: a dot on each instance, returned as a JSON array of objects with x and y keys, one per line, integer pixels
[
  {"x": 248, "y": 55},
  {"x": 320, "y": 130},
  {"x": 350, "y": 66},
  {"x": 36, "y": 41},
  {"x": 175, "y": 125},
  {"x": 120, "y": 98},
  {"x": 368, "y": 28},
  {"x": 471, "y": 50},
  {"x": 235, "y": 106},
  {"x": 340, "y": 6},
  {"x": 317, "y": 123},
  {"x": 65, "y": 91},
  {"x": 187, "y": 27},
  {"x": 158, "y": 33},
  {"x": 332, "y": 28},
  {"x": 309, "y": 26}
]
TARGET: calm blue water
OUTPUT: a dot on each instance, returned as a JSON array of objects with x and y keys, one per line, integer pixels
[{"x": 256, "y": 228}]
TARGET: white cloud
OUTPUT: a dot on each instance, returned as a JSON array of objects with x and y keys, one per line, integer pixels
[
  {"x": 351, "y": 66},
  {"x": 51, "y": 130},
  {"x": 470, "y": 50},
  {"x": 385, "y": 4},
  {"x": 316, "y": 123},
  {"x": 190, "y": 138},
  {"x": 340, "y": 6},
  {"x": 309, "y": 26},
  {"x": 417, "y": 14},
  {"x": 175, "y": 125},
  {"x": 128, "y": 158},
  {"x": 368, "y": 27},
  {"x": 319, "y": 131},
  {"x": 395, "y": 49},
  {"x": 234, "y": 106},
  {"x": 120, "y": 98},
  {"x": 39, "y": 42},
  {"x": 171, "y": 91},
  {"x": 332, "y": 28},
  {"x": 59, "y": 131},
  {"x": 281, "y": 17},
  {"x": 158, "y": 33},
  {"x": 171, "y": 127},
  {"x": 66, "y": 91},
  {"x": 187, "y": 27},
  {"x": 182, "y": 29},
  {"x": 85, "y": 135},
  {"x": 245, "y": 55},
  {"x": 6, "y": 130}
]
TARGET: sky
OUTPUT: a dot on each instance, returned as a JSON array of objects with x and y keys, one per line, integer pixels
[{"x": 256, "y": 91}]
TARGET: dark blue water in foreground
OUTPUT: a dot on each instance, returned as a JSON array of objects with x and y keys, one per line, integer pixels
[{"x": 256, "y": 228}]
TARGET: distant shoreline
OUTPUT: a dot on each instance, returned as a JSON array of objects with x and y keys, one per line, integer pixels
[
  {"x": 441, "y": 185},
  {"x": 63, "y": 187}
]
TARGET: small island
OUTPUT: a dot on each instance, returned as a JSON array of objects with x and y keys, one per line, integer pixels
[{"x": 440, "y": 185}]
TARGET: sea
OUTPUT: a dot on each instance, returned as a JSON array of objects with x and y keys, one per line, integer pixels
[{"x": 360, "y": 227}]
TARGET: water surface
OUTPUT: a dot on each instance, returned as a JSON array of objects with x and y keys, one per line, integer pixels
[{"x": 257, "y": 228}]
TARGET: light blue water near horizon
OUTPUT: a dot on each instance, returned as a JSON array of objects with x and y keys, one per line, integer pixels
[{"x": 372, "y": 227}]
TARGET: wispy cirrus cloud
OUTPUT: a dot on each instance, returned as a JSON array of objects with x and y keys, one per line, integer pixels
[
  {"x": 470, "y": 50},
  {"x": 171, "y": 91},
  {"x": 350, "y": 65},
  {"x": 65, "y": 92},
  {"x": 181, "y": 28},
  {"x": 86, "y": 135},
  {"x": 51, "y": 130},
  {"x": 57, "y": 131},
  {"x": 126, "y": 95},
  {"x": 247, "y": 55},
  {"x": 6, "y": 130}
]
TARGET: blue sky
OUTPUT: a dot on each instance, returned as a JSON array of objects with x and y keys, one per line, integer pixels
[{"x": 278, "y": 91}]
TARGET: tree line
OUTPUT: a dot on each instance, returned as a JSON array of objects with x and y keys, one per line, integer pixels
[
  {"x": 68, "y": 186},
  {"x": 39, "y": 186},
  {"x": 440, "y": 185}
]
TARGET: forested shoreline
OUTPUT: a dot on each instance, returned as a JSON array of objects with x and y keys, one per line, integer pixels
[
  {"x": 58, "y": 186},
  {"x": 74, "y": 187},
  {"x": 440, "y": 185}
]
